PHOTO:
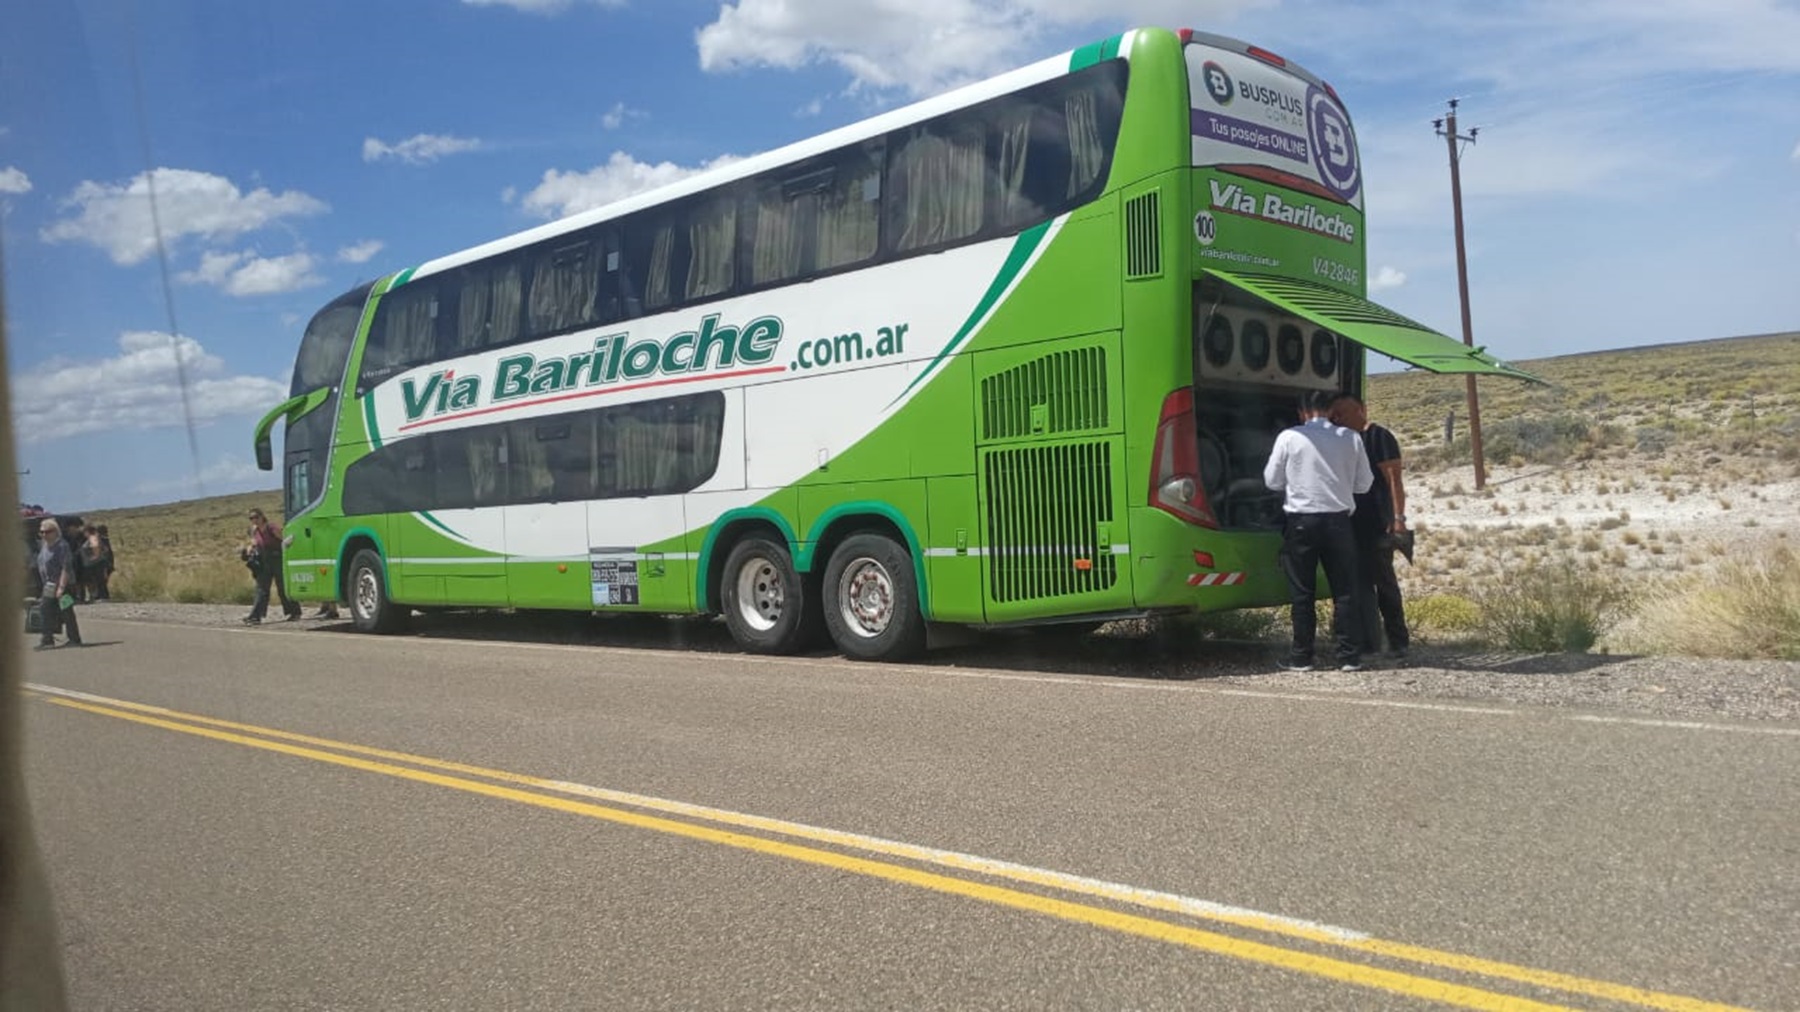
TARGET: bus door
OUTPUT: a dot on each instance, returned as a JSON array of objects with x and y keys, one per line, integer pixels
[{"x": 306, "y": 453}]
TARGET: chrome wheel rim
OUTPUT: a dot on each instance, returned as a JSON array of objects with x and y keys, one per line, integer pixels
[
  {"x": 760, "y": 595},
  {"x": 368, "y": 593},
  {"x": 866, "y": 598}
]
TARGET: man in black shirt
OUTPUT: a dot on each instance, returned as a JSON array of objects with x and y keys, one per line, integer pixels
[{"x": 1380, "y": 516}]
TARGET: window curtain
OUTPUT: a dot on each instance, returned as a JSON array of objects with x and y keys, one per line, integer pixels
[
  {"x": 712, "y": 234},
  {"x": 1086, "y": 152},
  {"x": 1015, "y": 147},
  {"x": 657, "y": 285},
  {"x": 562, "y": 290},
  {"x": 487, "y": 311},
  {"x": 849, "y": 220},
  {"x": 778, "y": 238},
  {"x": 487, "y": 459},
  {"x": 648, "y": 452},
  {"x": 472, "y": 309},
  {"x": 943, "y": 178},
  {"x": 532, "y": 477}
]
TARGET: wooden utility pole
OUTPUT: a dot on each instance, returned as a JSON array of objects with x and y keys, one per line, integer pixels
[{"x": 1446, "y": 129}]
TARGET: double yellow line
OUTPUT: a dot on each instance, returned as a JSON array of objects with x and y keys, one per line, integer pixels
[{"x": 457, "y": 776}]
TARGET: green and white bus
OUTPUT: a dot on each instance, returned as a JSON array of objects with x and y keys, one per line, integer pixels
[{"x": 1011, "y": 355}]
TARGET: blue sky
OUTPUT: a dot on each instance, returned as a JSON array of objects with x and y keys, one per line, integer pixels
[{"x": 1637, "y": 178}]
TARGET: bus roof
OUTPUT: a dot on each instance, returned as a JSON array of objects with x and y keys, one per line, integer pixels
[{"x": 875, "y": 126}]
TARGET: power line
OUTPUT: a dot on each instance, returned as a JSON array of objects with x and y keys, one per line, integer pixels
[
  {"x": 162, "y": 251},
  {"x": 1446, "y": 128}
]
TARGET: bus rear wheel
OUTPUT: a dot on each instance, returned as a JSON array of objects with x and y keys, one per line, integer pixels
[
  {"x": 370, "y": 609},
  {"x": 766, "y": 601},
  {"x": 872, "y": 600}
]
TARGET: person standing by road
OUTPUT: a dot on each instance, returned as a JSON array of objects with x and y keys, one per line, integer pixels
[
  {"x": 75, "y": 535},
  {"x": 1380, "y": 518},
  {"x": 93, "y": 565},
  {"x": 265, "y": 549},
  {"x": 56, "y": 572},
  {"x": 1320, "y": 467},
  {"x": 103, "y": 579}
]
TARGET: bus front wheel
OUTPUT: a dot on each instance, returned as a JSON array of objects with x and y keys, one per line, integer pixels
[
  {"x": 872, "y": 600},
  {"x": 766, "y": 601},
  {"x": 370, "y": 609}
]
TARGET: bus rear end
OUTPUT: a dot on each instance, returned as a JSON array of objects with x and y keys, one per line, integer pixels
[{"x": 1274, "y": 195}]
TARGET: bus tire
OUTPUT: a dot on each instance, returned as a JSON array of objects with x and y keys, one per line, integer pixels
[
  {"x": 768, "y": 605},
  {"x": 370, "y": 609},
  {"x": 871, "y": 596}
]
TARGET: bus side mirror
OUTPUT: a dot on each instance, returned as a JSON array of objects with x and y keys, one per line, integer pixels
[{"x": 265, "y": 458}]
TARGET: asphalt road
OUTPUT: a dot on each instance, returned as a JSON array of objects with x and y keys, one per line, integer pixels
[{"x": 257, "y": 819}]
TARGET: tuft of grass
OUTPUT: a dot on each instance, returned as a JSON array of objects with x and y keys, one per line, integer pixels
[
  {"x": 1749, "y": 609},
  {"x": 1449, "y": 614},
  {"x": 145, "y": 579},
  {"x": 1556, "y": 608}
]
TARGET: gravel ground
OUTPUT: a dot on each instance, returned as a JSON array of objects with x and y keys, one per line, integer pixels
[{"x": 1674, "y": 688}]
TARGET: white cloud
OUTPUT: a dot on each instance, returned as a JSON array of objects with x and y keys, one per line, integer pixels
[
  {"x": 418, "y": 149},
  {"x": 139, "y": 388},
  {"x": 1386, "y": 278},
  {"x": 117, "y": 219},
  {"x": 13, "y": 180},
  {"x": 361, "y": 253},
  {"x": 921, "y": 46},
  {"x": 539, "y": 6},
  {"x": 620, "y": 114},
  {"x": 244, "y": 273},
  {"x": 564, "y": 193}
]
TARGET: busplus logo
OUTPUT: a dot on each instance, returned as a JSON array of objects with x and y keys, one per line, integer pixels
[
  {"x": 1272, "y": 98},
  {"x": 612, "y": 359}
]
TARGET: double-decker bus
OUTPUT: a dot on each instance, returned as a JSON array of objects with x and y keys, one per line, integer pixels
[{"x": 1012, "y": 355}]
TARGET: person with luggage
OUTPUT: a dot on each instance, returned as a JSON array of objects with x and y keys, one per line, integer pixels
[
  {"x": 56, "y": 574},
  {"x": 263, "y": 556}
]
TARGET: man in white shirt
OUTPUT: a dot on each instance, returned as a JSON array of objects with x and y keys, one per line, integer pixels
[{"x": 1321, "y": 467}]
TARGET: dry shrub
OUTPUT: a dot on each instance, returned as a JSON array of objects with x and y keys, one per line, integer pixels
[
  {"x": 1559, "y": 607},
  {"x": 1750, "y": 608},
  {"x": 1444, "y": 614}
]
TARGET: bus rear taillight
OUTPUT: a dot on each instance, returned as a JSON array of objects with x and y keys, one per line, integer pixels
[
  {"x": 1175, "y": 467},
  {"x": 1266, "y": 56}
]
